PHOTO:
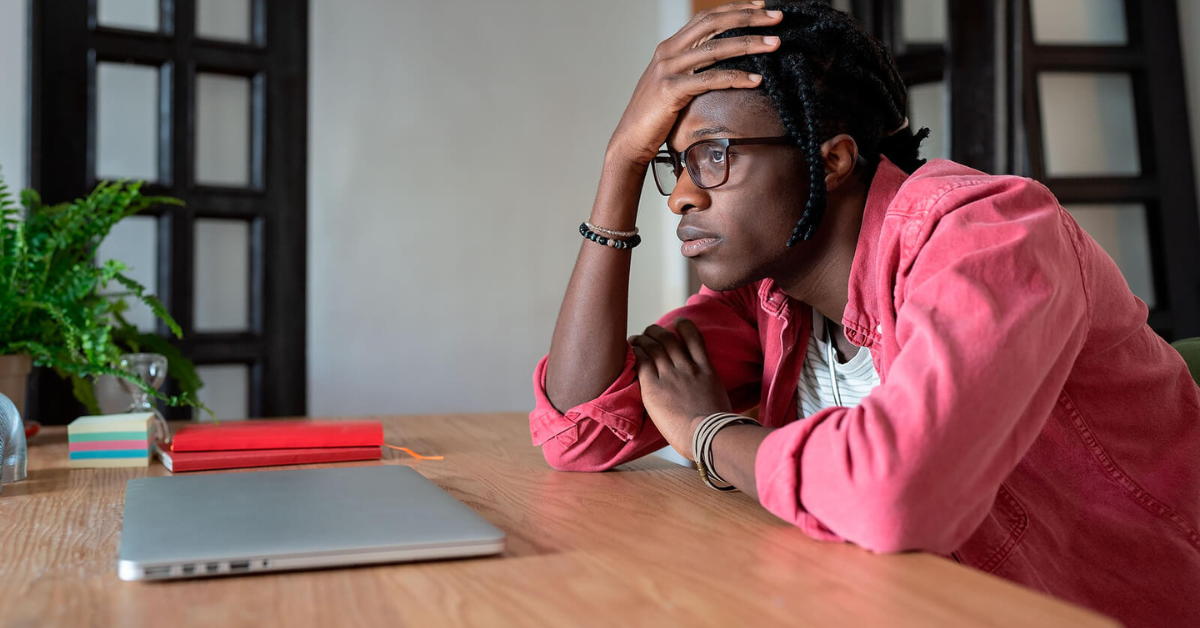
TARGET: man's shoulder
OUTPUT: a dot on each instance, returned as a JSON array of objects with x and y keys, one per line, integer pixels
[{"x": 942, "y": 186}]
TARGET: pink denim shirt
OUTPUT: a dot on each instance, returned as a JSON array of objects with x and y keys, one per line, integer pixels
[{"x": 1029, "y": 423}]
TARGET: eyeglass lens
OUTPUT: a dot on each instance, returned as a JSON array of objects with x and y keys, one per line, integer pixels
[{"x": 706, "y": 162}]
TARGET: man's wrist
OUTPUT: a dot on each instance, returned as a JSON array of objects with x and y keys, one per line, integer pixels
[{"x": 693, "y": 425}]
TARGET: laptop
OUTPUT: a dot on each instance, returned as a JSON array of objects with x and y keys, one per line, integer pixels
[{"x": 259, "y": 521}]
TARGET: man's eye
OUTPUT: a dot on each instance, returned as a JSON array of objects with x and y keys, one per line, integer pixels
[{"x": 717, "y": 155}]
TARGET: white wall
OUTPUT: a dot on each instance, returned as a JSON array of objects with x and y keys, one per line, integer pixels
[
  {"x": 454, "y": 150},
  {"x": 13, "y": 94},
  {"x": 412, "y": 306}
]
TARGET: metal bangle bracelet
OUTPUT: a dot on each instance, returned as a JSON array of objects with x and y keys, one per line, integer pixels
[{"x": 702, "y": 441}]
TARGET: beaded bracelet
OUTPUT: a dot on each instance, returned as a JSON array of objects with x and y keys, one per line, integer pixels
[
  {"x": 610, "y": 242},
  {"x": 702, "y": 441},
  {"x": 610, "y": 232}
]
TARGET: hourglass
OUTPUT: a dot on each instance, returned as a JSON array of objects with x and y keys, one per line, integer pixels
[{"x": 152, "y": 368}]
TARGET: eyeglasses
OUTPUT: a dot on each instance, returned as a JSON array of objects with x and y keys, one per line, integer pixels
[{"x": 706, "y": 161}]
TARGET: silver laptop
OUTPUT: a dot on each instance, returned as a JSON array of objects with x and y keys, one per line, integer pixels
[{"x": 257, "y": 521}]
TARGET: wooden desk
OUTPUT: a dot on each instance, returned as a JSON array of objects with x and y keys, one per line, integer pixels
[{"x": 647, "y": 545}]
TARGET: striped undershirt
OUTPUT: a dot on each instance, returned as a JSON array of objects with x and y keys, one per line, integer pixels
[{"x": 855, "y": 378}]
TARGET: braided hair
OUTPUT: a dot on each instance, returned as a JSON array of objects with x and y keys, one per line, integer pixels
[{"x": 828, "y": 77}]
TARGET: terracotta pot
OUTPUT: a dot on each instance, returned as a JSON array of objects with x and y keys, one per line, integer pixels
[{"x": 14, "y": 375}]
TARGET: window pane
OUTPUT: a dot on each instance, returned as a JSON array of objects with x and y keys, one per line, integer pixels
[
  {"x": 1121, "y": 231},
  {"x": 134, "y": 241},
  {"x": 923, "y": 21},
  {"x": 222, "y": 275},
  {"x": 226, "y": 391},
  {"x": 138, "y": 15},
  {"x": 927, "y": 107},
  {"x": 126, "y": 121},
  {"x": 1088, "y": 124},
  {"x": 223, "y": 130},
  {"x": 224, "y": 19},
  {"x": 1092, "y": 22}
]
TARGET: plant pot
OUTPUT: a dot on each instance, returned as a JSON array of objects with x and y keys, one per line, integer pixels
[{"x": 14, "y": 378}]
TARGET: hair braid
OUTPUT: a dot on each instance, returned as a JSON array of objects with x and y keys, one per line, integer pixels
[{"x": 814, "y": 208}]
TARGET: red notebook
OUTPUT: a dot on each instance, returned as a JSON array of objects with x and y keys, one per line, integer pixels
[
  {"x": 177, "y": 461},
  {"x": 243, "y": 435}
]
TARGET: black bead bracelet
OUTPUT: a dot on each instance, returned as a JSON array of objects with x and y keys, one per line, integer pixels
[{"x": 609, "y": 242}]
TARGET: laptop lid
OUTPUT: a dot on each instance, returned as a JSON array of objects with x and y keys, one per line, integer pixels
[{"x": 228, "y": 523}]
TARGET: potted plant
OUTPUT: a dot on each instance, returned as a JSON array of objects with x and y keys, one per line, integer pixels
[{"x": 53, "y": 312}]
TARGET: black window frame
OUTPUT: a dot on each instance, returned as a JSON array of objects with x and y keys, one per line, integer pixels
[
  {"x": 67, "y": 44},
  {"x": 1165, "y": 186}
]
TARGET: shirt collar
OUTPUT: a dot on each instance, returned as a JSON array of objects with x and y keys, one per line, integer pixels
[{"x": 861, "y": 318}]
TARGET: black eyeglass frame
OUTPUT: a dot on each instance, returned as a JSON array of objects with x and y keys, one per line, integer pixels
[{"x": 678, "y": 161}]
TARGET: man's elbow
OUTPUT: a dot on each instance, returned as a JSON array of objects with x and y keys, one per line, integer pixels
[{"x": 565, "y": 458}]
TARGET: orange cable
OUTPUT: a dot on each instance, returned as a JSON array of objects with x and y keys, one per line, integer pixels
[{"x": 413, "y": 453}]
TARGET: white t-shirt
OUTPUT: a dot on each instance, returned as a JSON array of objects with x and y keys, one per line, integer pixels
[{"x": 855, "y": 378}]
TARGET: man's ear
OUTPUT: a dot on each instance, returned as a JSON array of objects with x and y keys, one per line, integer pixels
[{"x": 841, "y": 156}]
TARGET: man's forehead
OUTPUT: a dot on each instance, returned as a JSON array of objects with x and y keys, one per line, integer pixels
[{"x": 724, "y": 113}]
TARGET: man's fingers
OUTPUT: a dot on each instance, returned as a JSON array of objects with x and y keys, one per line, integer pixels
[
  {"x": 710, "y": 52},
  {"x": 671, "y": 343},
  {"x": 706, "y": 26},
  {"x": 709, "y": 23},
  {"x": 654, "y": 352},
  {"x": 645, "y": 364},
  {"x": 694, "y": 341},
  {"x": 713, "y": 80},
  {"x": 707, "y": 14}
]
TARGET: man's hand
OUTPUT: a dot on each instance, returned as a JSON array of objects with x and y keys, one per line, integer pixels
[{"x": 679, "y": 385}]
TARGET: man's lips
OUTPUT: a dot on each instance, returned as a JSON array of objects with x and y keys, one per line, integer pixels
[
  {"x": 696, "y": 241},
  {"x": 692, "y": 248}
]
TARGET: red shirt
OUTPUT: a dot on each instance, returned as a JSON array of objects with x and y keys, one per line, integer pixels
[{"x": 1029, "y": 422}]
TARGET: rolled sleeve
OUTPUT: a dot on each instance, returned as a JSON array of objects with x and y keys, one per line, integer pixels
[
  {"x": 619, "y": 408},
  {"x": 613, "y": 428}
]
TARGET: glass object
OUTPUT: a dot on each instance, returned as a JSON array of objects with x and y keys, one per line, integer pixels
[
  {"x": 923, "y": 21},
  {"x": 706, "y": 162},
  {"x": 127, "y": 106},
  {"x": 110, "y": 395},
  {"x": 223, "y": 128},
  {"x": 1079, "y": 22},
  {"x": 134, "y": 241},
  {"x": 927, "y": 107},
  {"x": 137, "y": 15},
  {"x": 229, "y": 20},
  {"x": 152, "y": 368},
  {"x": 226, "y": 391},
  {"x": 222, "y": 275},
  {"x": 1088, "y": 124},
  {"x": 1122, "y": 232},
  {"x": 13, "y": 454}
]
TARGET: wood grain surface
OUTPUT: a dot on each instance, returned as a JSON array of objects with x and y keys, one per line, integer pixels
[{"x": 645, "y": 545}]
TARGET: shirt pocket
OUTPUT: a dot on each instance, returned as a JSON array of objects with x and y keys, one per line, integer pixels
[{"x": 999, "y": 534}]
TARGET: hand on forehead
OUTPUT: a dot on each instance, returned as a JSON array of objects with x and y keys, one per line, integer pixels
[{"x": 725, "y": 113}]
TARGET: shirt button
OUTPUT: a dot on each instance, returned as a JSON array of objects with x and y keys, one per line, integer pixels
[{"x": 879, "y": 328}]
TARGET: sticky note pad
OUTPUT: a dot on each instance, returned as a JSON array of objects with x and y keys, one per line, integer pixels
[{"x": 113, "y": 440}]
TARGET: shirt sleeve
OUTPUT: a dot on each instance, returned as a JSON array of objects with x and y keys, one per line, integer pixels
[
  {"x": 990, "y": 315},
  {"x": 613, "y": 428}
]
